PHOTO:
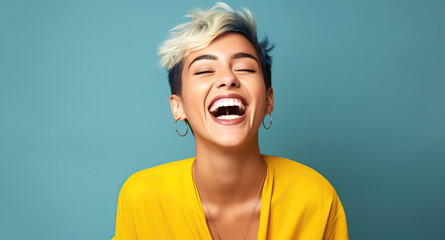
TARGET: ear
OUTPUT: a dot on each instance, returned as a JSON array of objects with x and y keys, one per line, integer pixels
[
  {"x": 269, "y": 101},
  {"x": 176, "y": 106}
]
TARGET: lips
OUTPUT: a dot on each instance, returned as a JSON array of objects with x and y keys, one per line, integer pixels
[{"x": 228, "y": 108}]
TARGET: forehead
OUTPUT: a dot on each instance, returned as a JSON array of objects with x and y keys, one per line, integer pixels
[{"x": 225, "y": 45}]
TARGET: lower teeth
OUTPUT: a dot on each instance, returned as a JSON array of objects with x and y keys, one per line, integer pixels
[{"x": 228, "y": 116}]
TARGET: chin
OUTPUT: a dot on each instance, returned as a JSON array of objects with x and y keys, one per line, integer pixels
[{"x": 233, "y": 139}]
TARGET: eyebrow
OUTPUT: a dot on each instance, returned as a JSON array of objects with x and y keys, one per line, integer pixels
[
  {"x": 244, "y": 55},
  {"x": 213, "y": 57},
  {"x": 203, "y": 57}
]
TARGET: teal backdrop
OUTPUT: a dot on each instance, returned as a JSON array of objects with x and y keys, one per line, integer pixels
[{"x": 359, "y": 96}]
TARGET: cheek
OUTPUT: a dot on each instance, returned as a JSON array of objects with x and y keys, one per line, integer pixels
[
  {"x": 194, "y": 97},
  {"x": 258, "y": 90},
  {"x": 260, "y": 99}
]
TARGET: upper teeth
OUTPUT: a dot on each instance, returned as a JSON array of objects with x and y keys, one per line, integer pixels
[{"x": 226, "y": 102}]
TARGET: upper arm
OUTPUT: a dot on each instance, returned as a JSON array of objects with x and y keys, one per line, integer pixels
[
  {"x": 336, "y": 228},
  {"x": 125, "y": 223}
]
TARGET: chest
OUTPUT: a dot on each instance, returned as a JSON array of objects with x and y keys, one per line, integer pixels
[{"x": 232, "y": 225}]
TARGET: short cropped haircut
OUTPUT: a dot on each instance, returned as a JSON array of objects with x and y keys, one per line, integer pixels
[{"x": 204, "y": 27}]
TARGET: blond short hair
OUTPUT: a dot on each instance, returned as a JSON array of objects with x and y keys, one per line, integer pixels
[{"x": 204, "y": 27}]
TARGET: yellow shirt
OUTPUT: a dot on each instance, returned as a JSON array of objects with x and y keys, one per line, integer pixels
[{"x": 163, "y": 203}]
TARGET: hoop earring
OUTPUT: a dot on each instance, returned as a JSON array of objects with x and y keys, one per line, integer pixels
[
  {"x": 186, "y": 131},
  {"x": 270, "y": 121}
]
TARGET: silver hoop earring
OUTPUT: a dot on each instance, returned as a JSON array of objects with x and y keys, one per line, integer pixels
[
  {"x": 270, "y": 121},
  {"x": 186, "y": 131}
]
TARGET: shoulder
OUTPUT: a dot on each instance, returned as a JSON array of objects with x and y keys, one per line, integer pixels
[
  {"x": 167, "y": 168},
  {"x": 156, "y": 176},
  {"x": 284, "y": 166},
  {"x": 295, "y": 182},
  {"x": 302, "y": 191},
  {"x": 293, "y": 175}
]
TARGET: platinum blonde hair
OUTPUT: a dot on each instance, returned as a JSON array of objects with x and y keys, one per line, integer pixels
[{"x": 204, "y": 27}]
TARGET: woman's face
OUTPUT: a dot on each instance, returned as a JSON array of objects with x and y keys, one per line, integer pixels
[{"x": 223, "y": 93}]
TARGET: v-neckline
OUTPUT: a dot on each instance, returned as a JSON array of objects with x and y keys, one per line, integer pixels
[{"x": 266, "y": 196}]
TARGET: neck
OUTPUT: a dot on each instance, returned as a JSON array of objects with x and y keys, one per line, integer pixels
[{"x": 228, "y": 175}]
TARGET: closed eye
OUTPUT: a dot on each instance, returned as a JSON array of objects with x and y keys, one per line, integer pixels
[
  {"x": 246, "y": 70},
  {"x": 203, "y": 72}
]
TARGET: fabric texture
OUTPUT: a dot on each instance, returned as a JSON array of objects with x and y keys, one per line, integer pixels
[{"x": 163, "y": 203}]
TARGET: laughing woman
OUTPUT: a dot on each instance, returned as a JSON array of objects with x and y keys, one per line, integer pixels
[{"x": 220, "y": 78}]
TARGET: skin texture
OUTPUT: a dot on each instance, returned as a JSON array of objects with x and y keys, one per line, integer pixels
[{"x": 228, "y": 166}]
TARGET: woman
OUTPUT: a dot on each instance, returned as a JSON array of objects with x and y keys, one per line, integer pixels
[{"x": 220, "y": 80}]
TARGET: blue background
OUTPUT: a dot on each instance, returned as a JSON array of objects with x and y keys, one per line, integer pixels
[{"x": 359, "y": 96}]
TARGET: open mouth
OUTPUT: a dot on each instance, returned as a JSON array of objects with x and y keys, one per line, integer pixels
[{"x": 228, "y": 108}]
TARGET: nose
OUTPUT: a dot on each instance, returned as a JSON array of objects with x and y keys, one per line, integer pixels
[{"x": 227, "y": 79}]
